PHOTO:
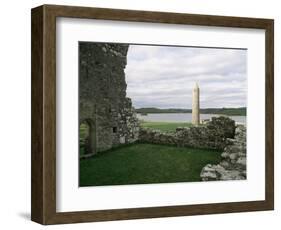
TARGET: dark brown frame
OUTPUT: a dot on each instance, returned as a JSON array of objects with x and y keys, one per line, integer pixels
[{"x": 43, "y": 199}]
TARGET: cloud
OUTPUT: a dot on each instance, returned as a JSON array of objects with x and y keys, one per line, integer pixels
[{"x": 163, "y": 76}]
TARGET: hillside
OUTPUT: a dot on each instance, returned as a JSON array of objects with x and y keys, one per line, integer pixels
[{"x": 224, "y": 111}]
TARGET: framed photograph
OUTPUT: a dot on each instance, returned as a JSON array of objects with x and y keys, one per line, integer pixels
[{"x": 140, "y": 114}]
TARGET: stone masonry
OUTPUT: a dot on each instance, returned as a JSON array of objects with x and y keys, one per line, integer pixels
[
  {"x": 214, "y": 135},
  {"x": 103, "y": 104},
  {"x": 233, "y": 164},
  {"x": 196, "y": 105}
]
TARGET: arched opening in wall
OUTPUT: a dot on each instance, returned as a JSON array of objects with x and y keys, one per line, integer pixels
[{"x": 87, "y": 138}]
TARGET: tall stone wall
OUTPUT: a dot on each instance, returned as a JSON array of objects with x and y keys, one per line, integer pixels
[{"x": 103, "y": 104}]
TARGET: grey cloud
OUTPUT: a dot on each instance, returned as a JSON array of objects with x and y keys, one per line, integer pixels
[{"x": 162, "y": 76}]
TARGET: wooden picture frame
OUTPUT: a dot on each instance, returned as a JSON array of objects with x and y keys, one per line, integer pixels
[{"x": 43, "y": 208}]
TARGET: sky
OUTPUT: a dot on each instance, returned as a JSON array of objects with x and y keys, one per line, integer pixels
[{"x": 163, "y": 76}]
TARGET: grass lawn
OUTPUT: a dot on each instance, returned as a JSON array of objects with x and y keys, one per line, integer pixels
[
  {"x": 145, "y": 163},
  {"x": 164, "y": 126},
  {"x": 83, "y": 131}
]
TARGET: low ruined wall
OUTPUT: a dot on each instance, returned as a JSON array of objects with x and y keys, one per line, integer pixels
[
  {"x": 233, "y": 164},
  {"x": 212, "y": 136}
]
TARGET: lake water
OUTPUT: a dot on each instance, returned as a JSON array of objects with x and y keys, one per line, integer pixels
[{"x": 184, "y": 117}]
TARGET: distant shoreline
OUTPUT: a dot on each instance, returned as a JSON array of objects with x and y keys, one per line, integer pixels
[{"x": 220, "y": 111}]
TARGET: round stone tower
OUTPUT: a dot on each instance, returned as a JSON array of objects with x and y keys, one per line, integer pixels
[{"x": 195, "y": 105}]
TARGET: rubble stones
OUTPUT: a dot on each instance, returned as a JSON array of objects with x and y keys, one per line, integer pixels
[{"x": 233, "y": 165}]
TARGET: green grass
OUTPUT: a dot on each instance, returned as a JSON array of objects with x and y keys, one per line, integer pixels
[
  {"x": 83, "y": 131},
  {"x": 145, "y": 163},
  {"x": 82, "y": 150},
  {"x": 164, "y": 126}
]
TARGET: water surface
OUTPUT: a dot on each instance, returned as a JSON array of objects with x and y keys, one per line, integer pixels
[{"x": 184, "y": 117}]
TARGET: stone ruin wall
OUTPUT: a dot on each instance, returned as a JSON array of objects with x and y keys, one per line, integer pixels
[
  {"x": 221, "y": 134},
  {"x": 234, "y": 160},
  {"x": 103, "y": 105},
  {"x": 211, "y": 136},
  {"x": 102, "y": 95}
]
